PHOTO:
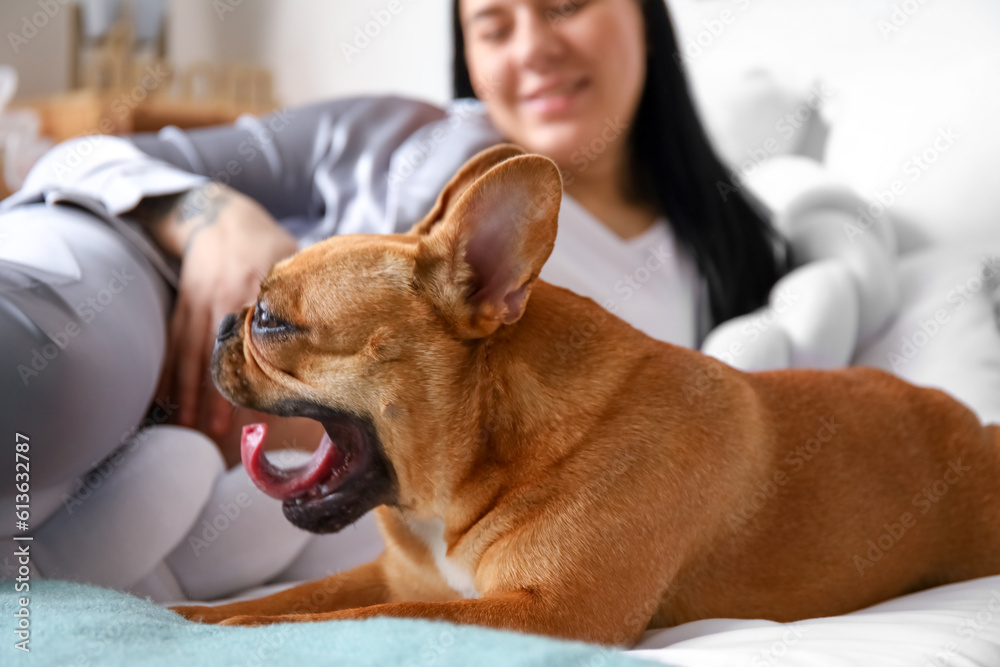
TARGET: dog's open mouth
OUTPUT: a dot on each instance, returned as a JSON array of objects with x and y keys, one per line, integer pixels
[
  {"x": 345, "y": 477},
  {"x": 326, "y": 468}
]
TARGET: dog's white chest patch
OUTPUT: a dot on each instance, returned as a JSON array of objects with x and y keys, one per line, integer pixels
[{"x": 431, "y": 531}]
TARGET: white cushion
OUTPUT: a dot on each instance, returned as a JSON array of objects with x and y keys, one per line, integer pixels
[{"x": 946, "y": 334}]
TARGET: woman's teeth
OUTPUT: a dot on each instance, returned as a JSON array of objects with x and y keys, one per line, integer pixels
[{"x": 561, "y": 90}]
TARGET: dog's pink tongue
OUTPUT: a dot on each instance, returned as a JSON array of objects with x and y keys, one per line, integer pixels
[{"x": 285, "y": 483}]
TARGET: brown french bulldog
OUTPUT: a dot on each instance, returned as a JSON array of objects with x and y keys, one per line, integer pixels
[{"x": 589, "y": 489}]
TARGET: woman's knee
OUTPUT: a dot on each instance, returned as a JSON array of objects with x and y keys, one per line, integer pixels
[{"x": 132, "y": 510}]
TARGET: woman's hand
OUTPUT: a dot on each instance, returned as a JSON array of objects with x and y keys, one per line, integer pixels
[{"x": 227, "y": 243}]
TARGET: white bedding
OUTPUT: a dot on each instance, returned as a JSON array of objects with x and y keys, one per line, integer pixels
[{"x": 956, "y": 625}]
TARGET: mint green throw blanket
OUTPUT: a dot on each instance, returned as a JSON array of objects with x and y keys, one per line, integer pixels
[{"x": 75, "y": 624}]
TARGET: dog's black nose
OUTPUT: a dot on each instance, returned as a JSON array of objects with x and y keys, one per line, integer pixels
[{"x": 228, "y": 327}]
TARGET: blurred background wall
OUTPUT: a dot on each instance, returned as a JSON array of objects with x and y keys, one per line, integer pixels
[
  {"x": 301, "y": 41},
  {"x": 867, "y": 85}
]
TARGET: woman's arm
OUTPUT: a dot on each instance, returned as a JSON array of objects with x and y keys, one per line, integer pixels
[
  {"x": 227, "y": 243},
  {"x": 320, "y": 169},
  {"x": 304, "y": 163}
]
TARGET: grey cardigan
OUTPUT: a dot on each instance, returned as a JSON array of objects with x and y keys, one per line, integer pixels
[{"x": 363, "y": 164}]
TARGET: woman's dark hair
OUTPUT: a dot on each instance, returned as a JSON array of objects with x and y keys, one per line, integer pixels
[{"x": 675, "y": 168}]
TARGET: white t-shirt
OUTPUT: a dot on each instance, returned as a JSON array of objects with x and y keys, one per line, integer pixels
[{"x": 648, "y": 280}]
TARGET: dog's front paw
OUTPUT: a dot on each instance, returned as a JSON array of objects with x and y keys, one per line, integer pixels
[
  {"x": 200, "y": 614},
  {"x": 250, "y": 621}
]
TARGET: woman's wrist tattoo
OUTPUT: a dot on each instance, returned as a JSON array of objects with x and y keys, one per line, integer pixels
[
  {"x": 152, "y": 210},
  {"x": 200, "y": 206},
  {"x": 186, "y": 214},
  {"x": 205, "y": 201}
]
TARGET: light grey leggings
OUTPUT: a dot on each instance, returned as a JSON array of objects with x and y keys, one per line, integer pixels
[{"x": 117, "y": 498}]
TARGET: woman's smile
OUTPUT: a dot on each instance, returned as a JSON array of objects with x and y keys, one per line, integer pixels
[{"x": 557, "y": 97}]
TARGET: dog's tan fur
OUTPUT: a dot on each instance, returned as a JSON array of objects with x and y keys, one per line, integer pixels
[{"x": 591, "y": 486}]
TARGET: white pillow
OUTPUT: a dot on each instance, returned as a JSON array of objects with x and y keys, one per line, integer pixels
[
  {"x": 946, "y": 333},
  {"x": 843, "y": 290}
]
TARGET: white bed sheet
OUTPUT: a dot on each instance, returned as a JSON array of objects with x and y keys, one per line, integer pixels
[{"x": 955, "y": 626}]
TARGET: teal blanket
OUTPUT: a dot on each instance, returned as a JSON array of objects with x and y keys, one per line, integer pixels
[{"x": 74, "y": 624}]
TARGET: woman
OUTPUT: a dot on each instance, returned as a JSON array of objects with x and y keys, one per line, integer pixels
[{"x": 592, "y": 84}]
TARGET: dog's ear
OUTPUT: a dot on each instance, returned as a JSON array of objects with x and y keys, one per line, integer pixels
[
  {"x": 478, "y": 264},
  {"x": 470, "y": 172}
]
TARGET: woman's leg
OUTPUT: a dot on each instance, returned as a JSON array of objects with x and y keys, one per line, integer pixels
[
  {"x": 139, "y": 504},
  {"x": 82, "y": 319},
  {"x": 241, "y": 538}
]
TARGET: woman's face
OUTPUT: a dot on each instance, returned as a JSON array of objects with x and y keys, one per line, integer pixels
[{"x": 560, "y": 77}]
